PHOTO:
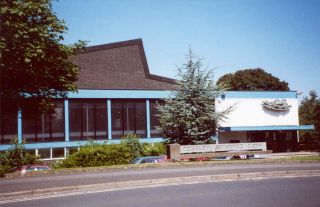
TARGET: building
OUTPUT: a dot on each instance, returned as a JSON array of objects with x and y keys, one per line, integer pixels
[
  {"x": 261, "y": 116},
  {"x": 117, "y": 95}
]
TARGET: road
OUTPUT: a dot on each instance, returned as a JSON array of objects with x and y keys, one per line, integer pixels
[
  {"x": 293, "y": 192},
  {"x": 29, "y": 183}
]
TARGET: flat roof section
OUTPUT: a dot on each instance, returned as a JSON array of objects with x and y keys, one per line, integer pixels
[
  {"x": 267, "y": 128},
  {"x": 258, "y": 94}
]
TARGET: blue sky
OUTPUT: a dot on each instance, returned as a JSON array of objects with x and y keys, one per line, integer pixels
[{"x": 280, "y": 36}]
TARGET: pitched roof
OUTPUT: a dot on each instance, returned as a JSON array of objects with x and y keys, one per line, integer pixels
[{"x": 120, "y": 65}]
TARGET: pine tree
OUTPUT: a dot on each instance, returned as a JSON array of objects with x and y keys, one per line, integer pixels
[
  {"x": 189, "y": 116},
  {"x": 309, "y": 113}
]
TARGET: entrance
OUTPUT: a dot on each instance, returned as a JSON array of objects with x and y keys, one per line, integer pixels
[{"x": 277, "y": 141}]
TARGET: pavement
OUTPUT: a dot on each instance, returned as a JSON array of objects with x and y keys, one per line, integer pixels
[
  {"x": 26, "y": 188},
  {"x": 255, "y": 189},
  {"x": 289, "y": 154},
  {"x": 117, "y": 175}
]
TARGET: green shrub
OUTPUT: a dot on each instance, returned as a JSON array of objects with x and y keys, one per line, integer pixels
[
  {"x": 111, "y": 154},
  {"x": 16, "y": 157},
  {"x": 131, "y": 141},
  {"x": 97, "y": 155},
  {"x": 154, "y": 149}
]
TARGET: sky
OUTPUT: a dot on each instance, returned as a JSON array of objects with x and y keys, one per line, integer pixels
[{"x": 280, "y": 36}]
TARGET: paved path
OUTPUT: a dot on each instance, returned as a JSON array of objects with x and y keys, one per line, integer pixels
[
  {"x": 29, "y": 183},
  {"x": 293, "y": 192}
]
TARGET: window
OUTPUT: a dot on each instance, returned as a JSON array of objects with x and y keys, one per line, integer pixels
[
  {"x": 154, "y": 118},
  {"x": 128, "y": 117},
  {"x": 57, "y": 152},
  {"x": 88, "y": 119},
  {"x": 8, "y": 124},
  {"x": 43, "y": 127},
  {"x": 44, "y": 153}
]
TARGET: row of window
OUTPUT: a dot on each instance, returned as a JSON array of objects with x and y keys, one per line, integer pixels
[
  {"x": 53, "y": 153},
  {"x": 88, "y": 119}
]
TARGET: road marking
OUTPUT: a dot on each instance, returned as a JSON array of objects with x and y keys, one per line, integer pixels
[{"x": 89, "y": 189}]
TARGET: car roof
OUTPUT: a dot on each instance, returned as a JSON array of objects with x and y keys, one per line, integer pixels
[{"x": 151, "y": 157}]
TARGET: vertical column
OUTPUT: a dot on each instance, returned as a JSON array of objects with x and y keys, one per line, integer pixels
[
  {"x": 19, "y": 126},
  {"x": 66, "y": 120},
  {"x": 148, "y": 118},
  {"x": 109, "y": 119}
]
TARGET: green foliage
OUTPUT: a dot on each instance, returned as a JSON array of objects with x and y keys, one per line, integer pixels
[
  {"x": 309, "y": 113},
  {"x": 154, "y": 149},
  {"x": 97, "y": 155},
  {"x": 93, "y": 154},
  {"x": 189, "y": 116},
  {"x": 34, "y": 62},
  {"x": 131, "y": 141},
  {"x": 16, "y": 157},
  {"x": 252, "y": 80}
]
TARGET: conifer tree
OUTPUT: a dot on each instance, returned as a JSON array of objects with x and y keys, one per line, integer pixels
[{"x": 189, "y": 116}]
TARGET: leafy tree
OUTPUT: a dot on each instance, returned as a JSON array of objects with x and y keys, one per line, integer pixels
[
  {"x": 189, "y": 116},
  {"x": 309, "y": 113},
  {"x": 252, "y": 80},
  {"x": 34, "y": 62}
]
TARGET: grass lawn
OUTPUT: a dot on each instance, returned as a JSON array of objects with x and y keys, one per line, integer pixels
[{"x": 305, "y": 158}]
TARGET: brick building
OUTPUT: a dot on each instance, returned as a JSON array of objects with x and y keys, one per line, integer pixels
[{"x": 117, "y": 95}]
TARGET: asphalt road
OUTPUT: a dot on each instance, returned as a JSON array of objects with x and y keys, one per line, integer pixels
[
  {"x": 29, "y": 183},
  {"x": 282, "y": 192}
]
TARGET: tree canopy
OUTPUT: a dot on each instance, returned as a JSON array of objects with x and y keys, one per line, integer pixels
[
  {"x": 252, "y": 80},
  {"x": 189, "y": 116},
  {"x": 34, "y": 61},
  {"x": 309, "y": 113}
]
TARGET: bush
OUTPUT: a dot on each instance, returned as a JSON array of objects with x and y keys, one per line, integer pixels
[
  {"x": 93, "y": 154},
  {"x": 97, "y": 155},
  {"x": 154, "y": 149},
  {"x": 131, "y": 141},
  {"x": 16, "y": 157}
]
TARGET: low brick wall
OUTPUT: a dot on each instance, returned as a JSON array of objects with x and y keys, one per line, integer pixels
[
  {"x": 173, "y": 152},
  {"x": 217, "y": 154}
]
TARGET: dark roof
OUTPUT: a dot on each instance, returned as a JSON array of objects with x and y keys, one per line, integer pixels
[{"x": 120, "y": 65}]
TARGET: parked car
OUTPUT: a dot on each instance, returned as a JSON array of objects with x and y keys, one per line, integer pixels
[
  {"x": 149, "y": 159},
  {"x": 32, "y": 168},
  {"x": 200, "y": 159},
  {"x": 255, "y": 156},
  {"x": 222, "y": 158}
]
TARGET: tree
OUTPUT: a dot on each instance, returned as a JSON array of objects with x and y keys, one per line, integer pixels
[
  {"x": 189, "y": 116},
  {"x": 309, "y": 113},
  {"x": 34, "y": 62},
  {"x": 252, "y": 80}
]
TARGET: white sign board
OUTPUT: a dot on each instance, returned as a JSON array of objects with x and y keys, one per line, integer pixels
[{"x": 210, "y": 148}]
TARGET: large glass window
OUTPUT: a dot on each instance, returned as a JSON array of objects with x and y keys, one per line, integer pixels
[
  {"x": 44, "y": 153},
  {"x": 88, "y": 119},
  {"x": 128, "y": 117},
  {"x": 48, "y": 127},
  {"x": 154, "y": 118},
  {"x": 8, "y": 123}
]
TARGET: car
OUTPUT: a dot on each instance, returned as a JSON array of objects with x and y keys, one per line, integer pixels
[
  {"x": 222, "y": 158},
  {"x": 33, "y": 168},
  {"x": 149, "y": 159}
]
